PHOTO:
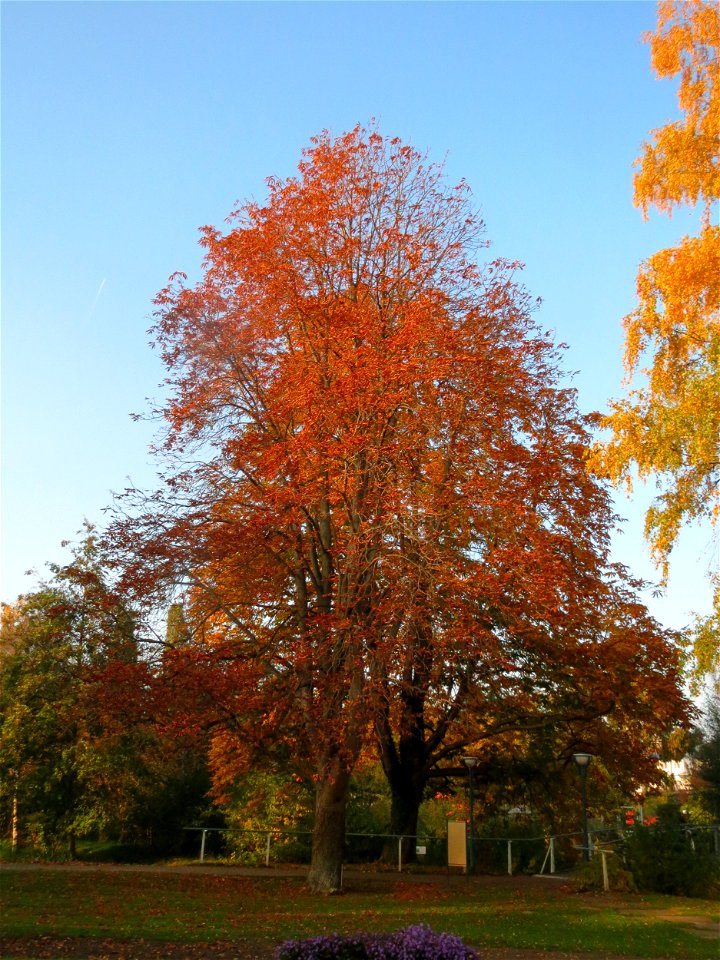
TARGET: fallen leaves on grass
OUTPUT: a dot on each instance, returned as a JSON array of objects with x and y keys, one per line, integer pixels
[
  {"x": 87, "y": 948},
  {"x": 418, "y": 891}
]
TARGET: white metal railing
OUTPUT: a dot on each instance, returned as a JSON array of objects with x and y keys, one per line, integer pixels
[
  {"x": 550, "y": 843},
  {"x": 402, "y": 840}
]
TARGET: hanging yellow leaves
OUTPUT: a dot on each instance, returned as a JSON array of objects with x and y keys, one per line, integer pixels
[
  {"x": 669, "y": 427},
  {"x": 680, "y": 164}
]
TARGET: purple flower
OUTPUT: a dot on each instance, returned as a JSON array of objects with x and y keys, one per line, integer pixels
[{"x": 412, "y": 943}]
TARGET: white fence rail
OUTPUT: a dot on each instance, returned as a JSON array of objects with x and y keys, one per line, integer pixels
[
  {"x": 600, "y": 841},
  {"x": 551, "y": 852}
]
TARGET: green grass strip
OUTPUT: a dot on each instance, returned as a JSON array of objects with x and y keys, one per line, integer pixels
[{"x": 203, "y": 907}]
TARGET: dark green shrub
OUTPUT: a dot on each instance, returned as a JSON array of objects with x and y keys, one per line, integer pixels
[
  {"x": 664, "y": 857},
  {"x": 528, "y": 845},
  {"x": 589, "y": 876},
  {"x": 361, "y": 848}
]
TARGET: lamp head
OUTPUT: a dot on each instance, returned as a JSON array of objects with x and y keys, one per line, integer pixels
[
  {"x": 583, "y": 760},
  {"x": 470, "y": 762}
]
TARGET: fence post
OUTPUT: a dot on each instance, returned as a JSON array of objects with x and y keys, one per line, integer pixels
[
  {"x": 400, "y": 843},
  {"x": 267, "y": 851},
  {"x": 552, "y": 854},
  {"x": 545, "y": 860},
  {"x": 606, "y": 878},
  {"x": 509, "y": 843},
  {"x": 202, "y": 847}
]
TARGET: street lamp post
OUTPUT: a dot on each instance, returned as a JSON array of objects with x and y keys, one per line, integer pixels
[
  {"x": 654, "y": 756},
  {"x": 583, "y": 761},
  {"x": 470, "y": 763}
]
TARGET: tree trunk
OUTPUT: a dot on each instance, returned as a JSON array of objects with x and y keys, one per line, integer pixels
[
  {"x": 14, "y": 828},
  {"x": 328, "y": 842},
  {"x": 405, "y": 809},
  {"x": 406, "y": 797},
  {"x": 405, "y": 766},
  {"x": 72, "y": 845}
]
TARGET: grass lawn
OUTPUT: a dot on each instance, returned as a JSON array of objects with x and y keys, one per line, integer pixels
[{"x": 200, "y": 906}]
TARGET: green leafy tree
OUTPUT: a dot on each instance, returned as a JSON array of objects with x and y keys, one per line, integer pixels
[
  {"x": 62, "y": 766},
  {"x": 38, "y": 736},
  {"x": 707, "y": 758}
]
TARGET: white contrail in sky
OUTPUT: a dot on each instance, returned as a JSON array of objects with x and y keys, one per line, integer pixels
[{"x": 97, "y": 296}]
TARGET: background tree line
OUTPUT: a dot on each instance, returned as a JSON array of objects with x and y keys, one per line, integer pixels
[{"x": 97, "y": 742}]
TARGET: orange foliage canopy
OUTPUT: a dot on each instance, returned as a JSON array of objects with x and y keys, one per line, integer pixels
[
  {"x": 669, "y": 427},
  {"x": 376, "y": 497}
]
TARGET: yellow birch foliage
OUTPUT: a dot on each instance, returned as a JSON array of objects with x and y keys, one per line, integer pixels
[{"x": 669, "y": 426}]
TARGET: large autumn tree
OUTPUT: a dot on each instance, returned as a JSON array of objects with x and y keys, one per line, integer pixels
[
  {"x": 668, "y": 426},
  {"x": 375, "y": 498}
]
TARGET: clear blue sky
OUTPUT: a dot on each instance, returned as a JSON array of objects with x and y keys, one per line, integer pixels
[{"x": 126, "y": 126}]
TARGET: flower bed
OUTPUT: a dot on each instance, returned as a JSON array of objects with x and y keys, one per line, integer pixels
[{"x": 412, "y": 943}]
